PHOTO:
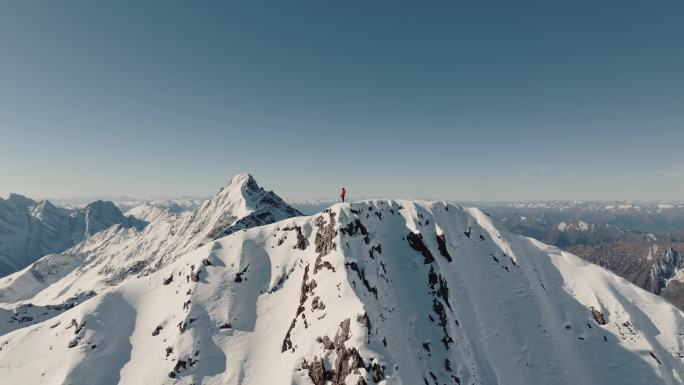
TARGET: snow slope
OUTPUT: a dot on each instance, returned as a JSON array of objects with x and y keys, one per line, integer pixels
[
  {"x": 111, "y": 256},
  {"x": 150, "y": 210},
  {"x": 387, "y": 292},
  {"x": 30, "y": 229}
]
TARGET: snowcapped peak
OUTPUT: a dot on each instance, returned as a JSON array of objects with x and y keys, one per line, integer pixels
[
  {"x": 243, "y": 180},
  {"x": 239, "y": 183},
  {"x": 44, "y": 207},
  {"x": 237, "y": 189},
  {"x": 242, "y": 204}
]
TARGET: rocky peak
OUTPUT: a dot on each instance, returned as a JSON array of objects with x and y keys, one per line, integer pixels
[
  {"x": 101, "y": 206},
  {"x": 45, "y": 208},
  {"x": 243, "y": 204},
  {"x": 664, "y": 268},
  {"x": 19, "y": 200}
]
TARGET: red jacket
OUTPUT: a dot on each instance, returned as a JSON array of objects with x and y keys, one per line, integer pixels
[{"x": 343, "y": 192}]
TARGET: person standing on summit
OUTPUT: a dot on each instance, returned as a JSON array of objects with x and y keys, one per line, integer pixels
[{"x": 343, "y": 192}]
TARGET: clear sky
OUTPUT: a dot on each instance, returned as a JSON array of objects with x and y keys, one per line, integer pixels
[{"x": 460, "y": 99}]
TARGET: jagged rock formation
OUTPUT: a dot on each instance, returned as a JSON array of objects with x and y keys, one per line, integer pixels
[
  {"x": 379, "y": 292},
  {"x": 30, "y": 229}
]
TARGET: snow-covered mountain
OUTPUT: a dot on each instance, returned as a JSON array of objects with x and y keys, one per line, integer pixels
[
  {"x": 30, "y": 229},
  {"x": 643, "y": 217},
  {"x": 386, "y": 292},
  {"x": 111, "y": 256},
  {"x": 149, "y": 210},
  {"x": 125, "y": 203}
]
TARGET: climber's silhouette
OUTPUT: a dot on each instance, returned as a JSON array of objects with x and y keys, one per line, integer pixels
[{"x": 343, "y": 192}]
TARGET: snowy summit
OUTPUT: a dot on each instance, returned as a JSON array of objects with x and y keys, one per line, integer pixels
[{"x": 245, "y": 290}]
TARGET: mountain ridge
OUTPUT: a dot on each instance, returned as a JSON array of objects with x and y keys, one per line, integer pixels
[
  {"x": 113, "y": 255},
  {"x": 384, "y": 291},
  {"x": 31, "y": 229}
]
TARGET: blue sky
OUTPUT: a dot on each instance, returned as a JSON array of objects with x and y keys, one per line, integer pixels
[{"x": 478, "y": 100}]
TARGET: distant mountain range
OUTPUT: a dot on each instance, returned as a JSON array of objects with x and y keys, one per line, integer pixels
[
  {"x": 31, "y": 229},
  {"x": 642, "y": 242}
]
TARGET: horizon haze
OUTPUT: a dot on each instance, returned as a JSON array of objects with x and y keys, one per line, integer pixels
[{"x": 447, "y": 100}]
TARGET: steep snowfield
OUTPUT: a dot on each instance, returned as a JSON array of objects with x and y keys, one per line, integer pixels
[
  {"x": 388, "y": 292},
  {"x": 109, "y": 257},
  {"x": 151, "y": 210},
  {"x": 30, "y": 229},
  {"x": 148, "y": 212},
  {"x": 176, "y": 205}
]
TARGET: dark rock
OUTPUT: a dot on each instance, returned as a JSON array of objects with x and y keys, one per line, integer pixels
[
  {"x": 180, "y": 365},
  {"x": 416, "y": 243},
  {"x": 377, "y": 373},
  {"x": 346, "y": 361},
  {"x": 655, "y": 358},
  {"x": 327, "y": 343},
  {"x": 195, "y": 275},
  {"x": 301, "y": 240},
  {"x": 287, "y": 342},
  {"x": 373, "y": 250},
  {"x": 343, "y": 335},
  {"x": 317, "y": 372},
  {"x": 441, "y": 246},
  {"x": 316, "y": 303},
  {"x": 598, "y": 316},
  {"x": 79, "y": 328},
  {"x": 355, "y": 228},
  {"x": 365, "y": 321},
  {"x": 362, "y": 276},
  {"x": 324, "y": 240},
  {"x": 238, "y": 276}
]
